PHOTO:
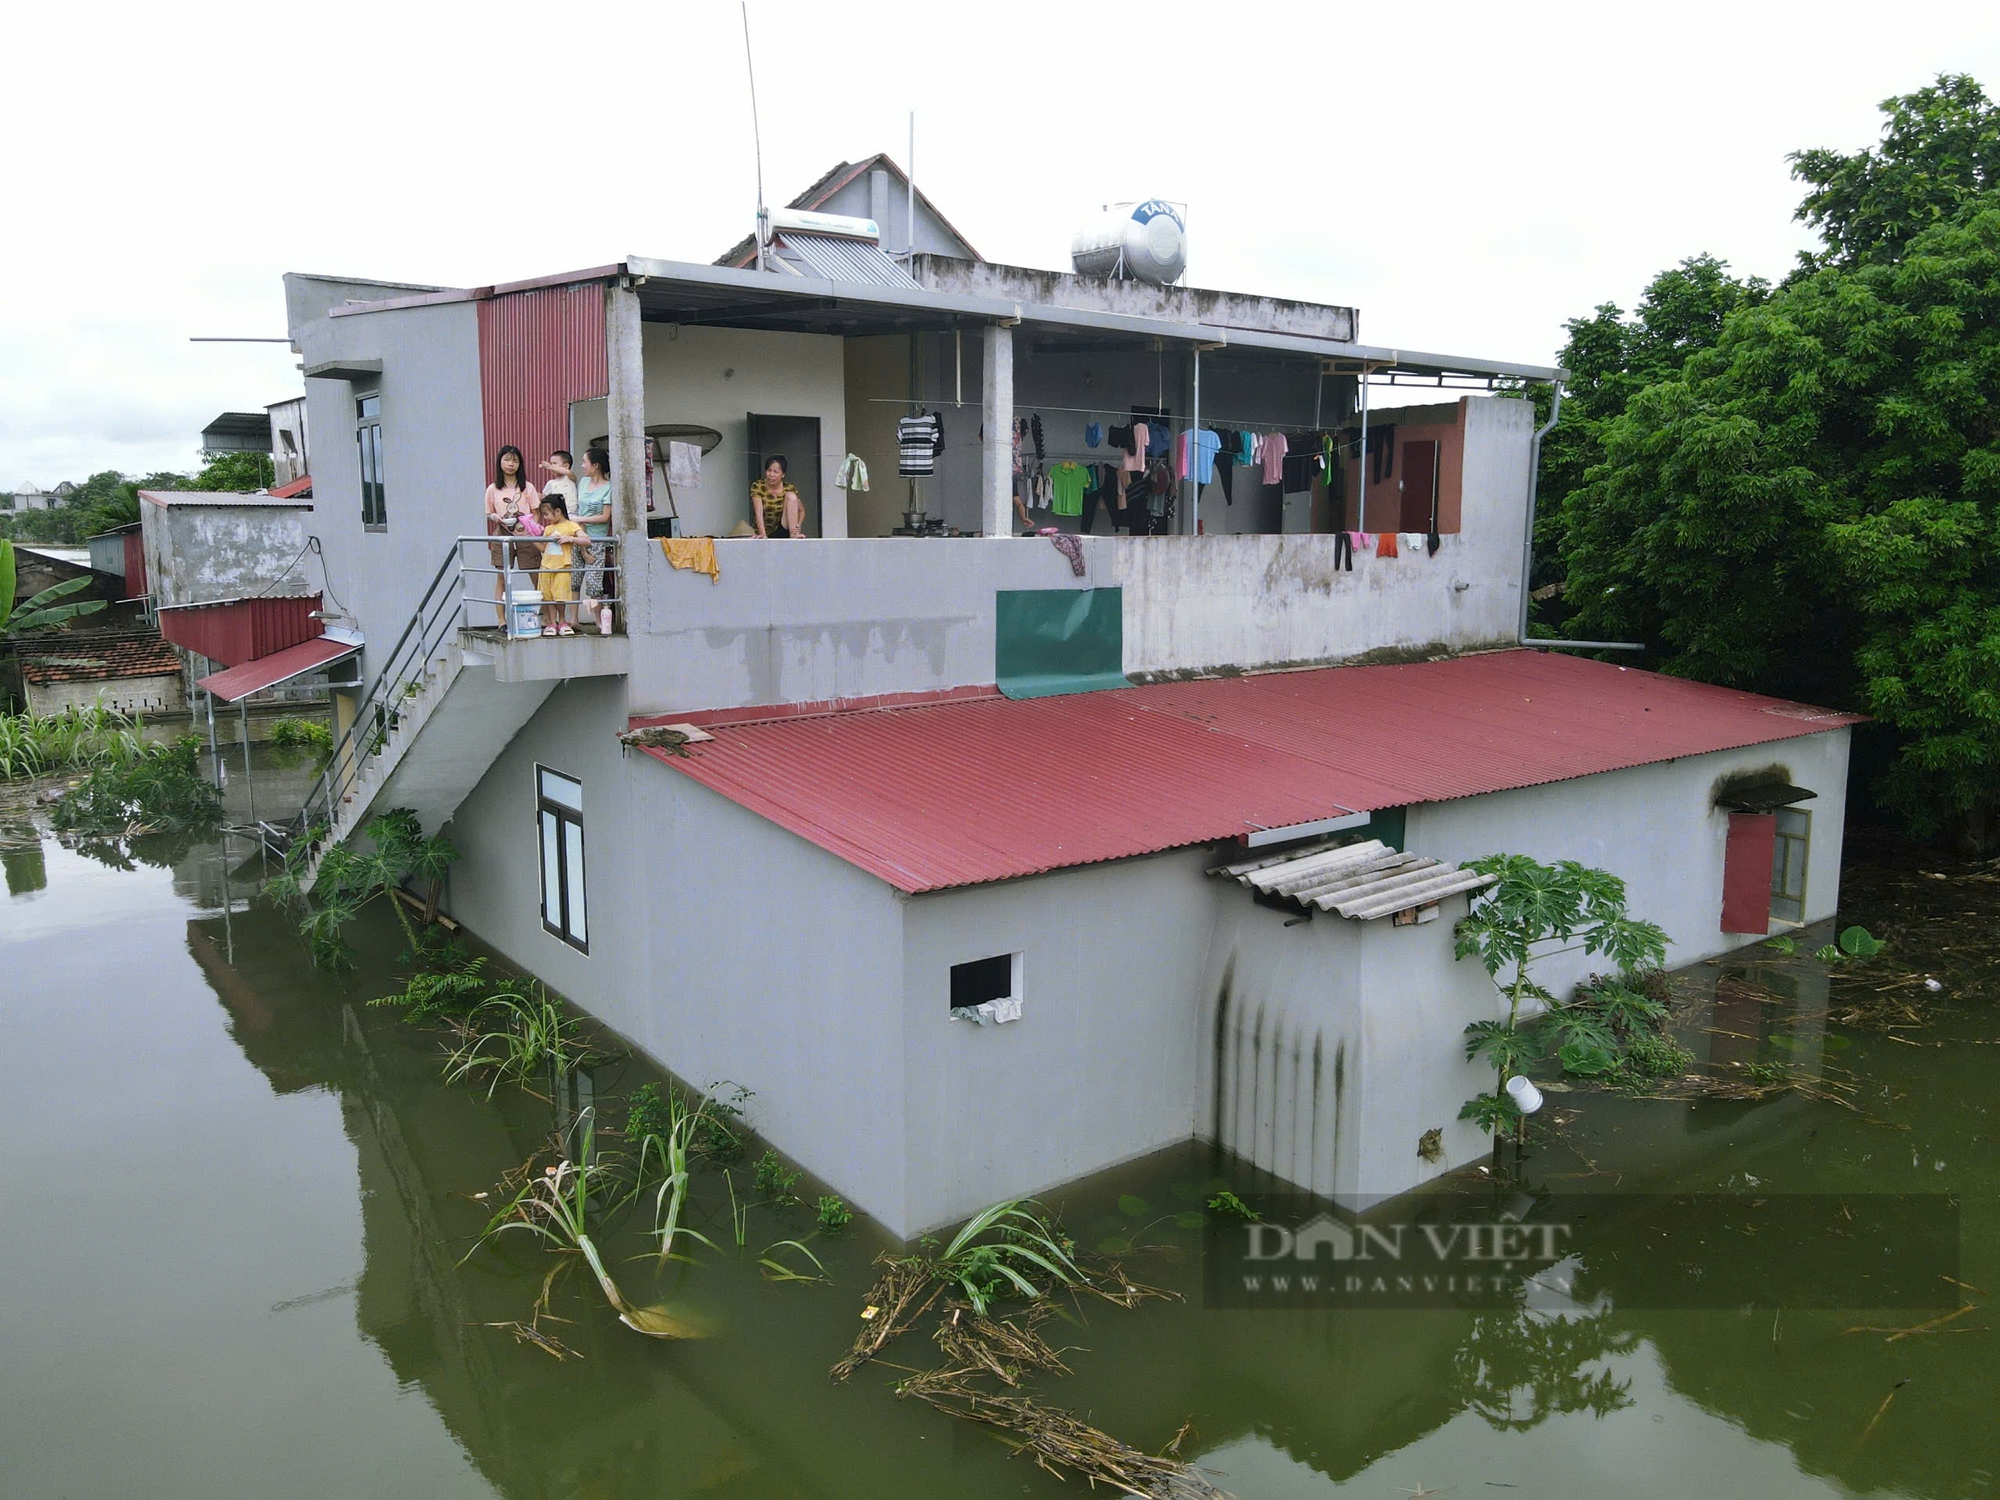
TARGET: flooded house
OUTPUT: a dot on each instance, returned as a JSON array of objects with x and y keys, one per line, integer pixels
[{"x": 989, "y": 866}]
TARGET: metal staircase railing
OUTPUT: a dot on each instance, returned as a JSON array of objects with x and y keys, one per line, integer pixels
[{"x": 407, "y": 670}]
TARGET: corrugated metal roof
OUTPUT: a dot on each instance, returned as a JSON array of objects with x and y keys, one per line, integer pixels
[
  {"x": 839, "y": 259},
  {"x": 961, "y": 792},
  {"x": 1362, "y": 881},
  {"x": 222, "y": 497},
  {"x": 279, "y": 666}
]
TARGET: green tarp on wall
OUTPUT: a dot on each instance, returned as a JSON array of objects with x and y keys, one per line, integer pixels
[{"x": 1050, "y": 641}]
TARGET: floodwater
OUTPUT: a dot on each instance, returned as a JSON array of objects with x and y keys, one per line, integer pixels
[{"x": 235, "y": 1262}]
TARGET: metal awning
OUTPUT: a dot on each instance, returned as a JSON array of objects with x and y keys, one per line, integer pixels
[
  {"x": 1359, "y": 881},
  {"x": 279, "y": 666},
  {"x": 238, "y": 432},
  {"x": 1765, "y": 797}
]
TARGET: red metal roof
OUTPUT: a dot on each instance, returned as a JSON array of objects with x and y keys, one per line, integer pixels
[
  {"x": 279, "y": 666},
  {"x": 972, "y": 790},
  {"x": 292, "y": 489},
  {"x": 234, "y": 631}
]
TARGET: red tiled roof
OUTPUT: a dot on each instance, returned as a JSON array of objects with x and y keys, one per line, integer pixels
[
  {"x": 84, "y": 656},
  {"x": 957, "y": 793}
]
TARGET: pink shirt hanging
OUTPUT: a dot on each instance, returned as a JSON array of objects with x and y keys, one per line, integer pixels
[{"x": 1271, "y": 453}]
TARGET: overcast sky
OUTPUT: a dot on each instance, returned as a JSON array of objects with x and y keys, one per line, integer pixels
[{"x": 1468, "y": 175}]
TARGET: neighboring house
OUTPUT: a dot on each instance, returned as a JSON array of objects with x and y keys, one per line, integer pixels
[
  {"x": 874, "y": 189},
  {"x": 28, "y": 496},
  {"x": 988, "y": 862},
  {"x": 230, "y": 579},
  {"x": 289, "y": 453},
  {"x": 134, "y": 672}
]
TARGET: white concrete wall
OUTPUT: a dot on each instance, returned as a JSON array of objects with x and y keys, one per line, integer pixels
[
  {"x": 1655, "y": 827},
  {"x": 716, "y": 377},
  {"x": 435, "y": 468},
  {"x": 813, "y": 620},
  {"x": 202, "y": 554},
  {"x": 1101, "y": 1066},
  {"x": 723, "y": 946},
  {"x": 160, "y": 694},
  {"x": 1329, "y": 1047},
  {"x": 1244, "y": 601}
]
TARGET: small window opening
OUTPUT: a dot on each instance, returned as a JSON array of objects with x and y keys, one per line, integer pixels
[
  {"x": 981, "y": 980},
  {"x": 1788, "y": 864}
]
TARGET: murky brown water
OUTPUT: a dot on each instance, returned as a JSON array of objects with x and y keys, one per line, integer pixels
[{"x": 239, "y": 1198}]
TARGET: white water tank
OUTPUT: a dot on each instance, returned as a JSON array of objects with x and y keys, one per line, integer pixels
[{"x": 1144, "y": 241}]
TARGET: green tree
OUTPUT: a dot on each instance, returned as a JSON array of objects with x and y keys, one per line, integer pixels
[
  {"x": 1611, "y": 358},
  {"x": 240, "y": 473},
  {"x": 1940, "y": 150},
  {"x": 1813, "y": 507}
]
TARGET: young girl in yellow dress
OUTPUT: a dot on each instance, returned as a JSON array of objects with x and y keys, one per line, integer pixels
[{"x": 558, "y": 555}]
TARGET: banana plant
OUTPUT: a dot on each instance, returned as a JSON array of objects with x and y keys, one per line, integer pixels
[{"x": 42, "y": 611}]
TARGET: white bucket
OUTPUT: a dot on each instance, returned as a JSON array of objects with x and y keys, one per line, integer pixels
[{"x": 524, "y": 613}]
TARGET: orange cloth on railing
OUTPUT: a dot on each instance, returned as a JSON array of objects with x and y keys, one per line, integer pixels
[{"x": 696, "y": 552}]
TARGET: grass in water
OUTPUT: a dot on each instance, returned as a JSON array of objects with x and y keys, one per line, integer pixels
[
  {"x": 517, "y": 1033},
  {"x": 75, "y": 739}
]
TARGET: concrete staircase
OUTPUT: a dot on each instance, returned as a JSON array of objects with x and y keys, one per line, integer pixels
[
  {"x": 448, "y": 724},
  {"x": 444, "y": 705}
]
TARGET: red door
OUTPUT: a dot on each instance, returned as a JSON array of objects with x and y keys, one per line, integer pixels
[
  {"x": 1746, "y": 872},
  {"x": 1418, "y": 507}
]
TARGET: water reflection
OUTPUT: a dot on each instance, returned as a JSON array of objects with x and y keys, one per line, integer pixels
[{"x": 1570, "y": 1389}]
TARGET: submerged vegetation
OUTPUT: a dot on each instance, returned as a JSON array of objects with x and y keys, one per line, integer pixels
[
  {"x": 159, "y": 789},
  {"x": 350, "y": 878},
  {"x": 75, "y": 739},
  {"x": 1528, "y": 906},
  {"x": 293, "y": 733}
]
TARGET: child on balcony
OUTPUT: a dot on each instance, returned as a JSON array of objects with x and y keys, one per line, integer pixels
[{"x": 555, "y": 578}]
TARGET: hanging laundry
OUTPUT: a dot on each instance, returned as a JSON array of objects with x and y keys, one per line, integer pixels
[
  {"x": 1156, "y": 440},
  {"x": 1196, "y": 451},
  {"x": 853, "y": 473},
  {"x": 1067, "y": 545},
  {"x": 1382, "y": 448},
  {"x": 1246, "y": 447},
  {"x": 1093, "y": 434},
  {"x": 684, "y": 465},
  {"x": 1041, "y": 452},
  {"x": 1271, "y": 454},
  {"x": 1018, "y": 428},
  {"x": 1343, "y": 552},
  {"x": 1385, "y": 544},
  {"x": 1135, "y": 456},
  {"x": 1066, "y": 486},
  {"x": 918, "y": 440}
]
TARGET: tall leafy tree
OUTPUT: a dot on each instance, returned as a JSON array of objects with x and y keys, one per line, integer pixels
[
  {"x": 1813, "y": 507},
  {"x": 1940, "y": 149}
]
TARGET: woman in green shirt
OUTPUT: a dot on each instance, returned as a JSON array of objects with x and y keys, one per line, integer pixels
[{"x": 593, "y": 513}]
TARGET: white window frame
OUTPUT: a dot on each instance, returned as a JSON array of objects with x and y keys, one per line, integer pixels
[
  {"x": 1784, "y": 848},
  {"x": 559, "y": 832}
]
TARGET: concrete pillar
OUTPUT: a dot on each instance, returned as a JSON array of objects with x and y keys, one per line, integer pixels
[
  {"x": 996, "y": 454},
  {"x": 625, "y": 409}
]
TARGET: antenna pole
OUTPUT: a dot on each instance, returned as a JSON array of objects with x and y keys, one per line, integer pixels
[
  {"x": 910, "y": 208},
  {"x": 757, "y": 139}
]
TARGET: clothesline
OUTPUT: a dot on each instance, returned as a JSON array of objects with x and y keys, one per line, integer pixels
[{"x": 1155, "y": 420}]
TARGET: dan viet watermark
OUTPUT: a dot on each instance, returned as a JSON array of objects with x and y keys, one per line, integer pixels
[{"x": 1688, "y": 1250}]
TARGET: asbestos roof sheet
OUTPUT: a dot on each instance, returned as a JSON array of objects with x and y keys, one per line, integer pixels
[
  {"x": 958, "y": 792},
  {"x": 1362, "y": 881}
]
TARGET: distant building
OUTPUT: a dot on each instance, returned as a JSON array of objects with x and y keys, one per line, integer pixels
[
  {"x": 134, "y": 672},
  {"x": 29, "y": 496}
]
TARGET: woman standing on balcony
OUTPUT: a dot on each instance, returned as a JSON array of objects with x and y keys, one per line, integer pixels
[
  {"x": 774, "y": 504},
  {"x": 593, "y": 512},
  {"x": 509, "y": 500}
]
